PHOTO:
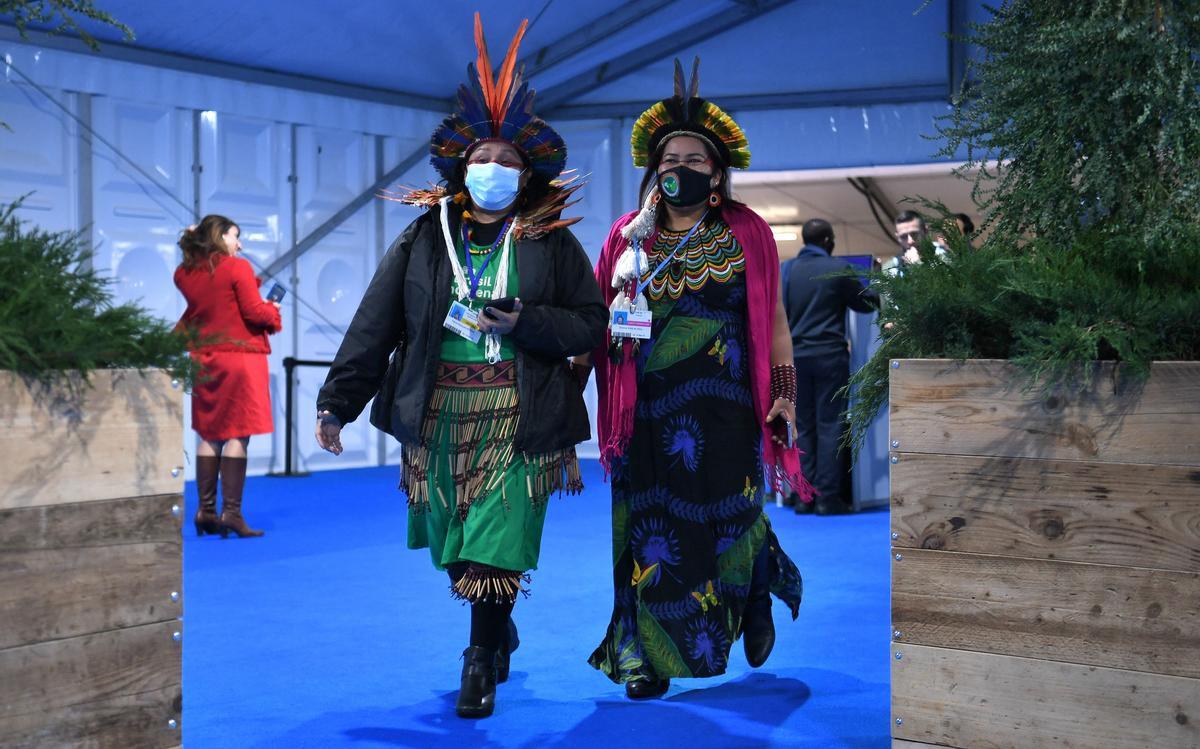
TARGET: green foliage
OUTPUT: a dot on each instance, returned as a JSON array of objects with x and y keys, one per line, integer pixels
[
  {"x": 63, "y": 16},
  {"x": 57, "y": 317},
  {"x": 1094, "y": 110},
  {"x": 1052, "y": 310},
  {"x": 1093, "y": 248}
]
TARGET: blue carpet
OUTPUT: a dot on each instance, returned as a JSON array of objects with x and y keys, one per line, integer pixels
[{"x": 328, "y": 632}]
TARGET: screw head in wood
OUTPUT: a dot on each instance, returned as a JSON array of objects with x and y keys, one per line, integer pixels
[
  {"x": 177, "y": 636},
  {"x": 895, "y": 536},
  {"x": 899, "y": 721},
  {"x": 896, "y": 635},
  {"x": 176, "y": 471},
  {"x": 174, "y": 596},
  {"x": 172, "y": 724},
  {"x": 899, "y": 656},
  {"x": 895, "y": 364},
  {"x": 895, "y": 459},
  {"x": 895, "y": 444},
  {"x": 175, "y": 510},
  {"x": 899, "y": 557},
  {"x": 174, "y": 384}
]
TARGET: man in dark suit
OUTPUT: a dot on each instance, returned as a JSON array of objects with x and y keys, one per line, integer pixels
[{"x": 816, "y": 307}]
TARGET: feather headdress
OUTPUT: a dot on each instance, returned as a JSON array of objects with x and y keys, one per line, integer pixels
[
  {"x": 497, "y": 105},
  {"x": 686, "y": 113}
]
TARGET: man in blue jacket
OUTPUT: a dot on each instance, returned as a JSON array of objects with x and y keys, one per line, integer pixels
[{"x": 816, "y": 306}]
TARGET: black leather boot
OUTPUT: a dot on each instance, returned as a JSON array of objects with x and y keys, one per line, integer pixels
[
  {"x": 758, "y": 628},
  {"x": 477, "y": 694},
  {"x": 504, "y": 655},
  {"x": 645, "y": 688}
]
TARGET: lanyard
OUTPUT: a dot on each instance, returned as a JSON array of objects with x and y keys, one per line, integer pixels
[
  {"x": 663, "y": 264},
  {"x": 473, "y": 277}
]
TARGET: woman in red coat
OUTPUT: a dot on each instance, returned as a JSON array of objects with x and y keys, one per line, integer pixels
[{"x": 230, "y": 400}]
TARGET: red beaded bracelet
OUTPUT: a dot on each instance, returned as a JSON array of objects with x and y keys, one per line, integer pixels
[{"x": 783, "y": 383}]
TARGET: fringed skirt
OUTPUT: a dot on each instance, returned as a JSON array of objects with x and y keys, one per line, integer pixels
[{"x": 471, "y": 497}]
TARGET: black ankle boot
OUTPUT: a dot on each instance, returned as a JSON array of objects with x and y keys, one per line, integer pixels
[
  {"x": 477, "y": 694},
  {"x": 646, "y": 688},
  {"x": 758, "y": 630},
  {"x": 503, "y": 656}
]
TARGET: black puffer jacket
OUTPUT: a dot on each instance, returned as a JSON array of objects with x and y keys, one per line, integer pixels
[{"x": 403, "y": 310}]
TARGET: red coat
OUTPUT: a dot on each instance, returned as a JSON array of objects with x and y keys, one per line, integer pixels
[
  {"x": 225, "y": 303},
  {"x": 232, "y": 397}
]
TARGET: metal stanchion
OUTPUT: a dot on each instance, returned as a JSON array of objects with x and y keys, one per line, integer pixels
[{"x": 289, "y": 366}]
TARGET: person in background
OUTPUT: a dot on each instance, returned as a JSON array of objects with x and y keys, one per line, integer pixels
[
  {"x": 482, "y": 298},
  {"x": 231, "y": 399},
  {"x": 962, "y": 223},
  {"x": 816, "y": 299},
  {"x": 910, "y": 232},
  {"x": 689, "y": 415}
]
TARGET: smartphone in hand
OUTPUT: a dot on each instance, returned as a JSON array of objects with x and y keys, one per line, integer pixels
[
  {"x": 505, "y": 305},
  {"x": 276, "y": 294},
  {"x": 782, "y": 430}
]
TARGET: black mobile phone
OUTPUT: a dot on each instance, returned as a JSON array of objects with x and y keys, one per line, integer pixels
[
  {"x": 276, "y": 293},
  {"x": 505, "y": 305},
  {"x": 782, "y": 429}
]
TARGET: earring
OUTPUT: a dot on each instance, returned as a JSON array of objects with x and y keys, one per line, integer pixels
[
  {"x": 714, "y": 199},
  {"x": 654, "y": 200}
]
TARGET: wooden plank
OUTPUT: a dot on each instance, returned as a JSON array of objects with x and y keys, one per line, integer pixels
[
  {"x": 70, "y": 570},
  {"x": 121, "y": 438},
  {"x": 1102, "y": 615},
  {"x": 984, "y": 701},
  {"x": 902, "y": 744},
  {"x": 111, "y": 689},
  {"x": 978, "y": 408},
  {"x": 1136, "y": 515}
]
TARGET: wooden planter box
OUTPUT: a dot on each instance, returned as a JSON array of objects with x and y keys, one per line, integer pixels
[
  {"x": 1046, "y": 560},
  {"x": 91, "y": 563}
]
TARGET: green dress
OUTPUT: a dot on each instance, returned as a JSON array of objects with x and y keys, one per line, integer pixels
[{"x": 472, "y": 498}]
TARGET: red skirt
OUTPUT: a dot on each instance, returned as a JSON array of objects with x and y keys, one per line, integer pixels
[{"x": 232, "y": 398}]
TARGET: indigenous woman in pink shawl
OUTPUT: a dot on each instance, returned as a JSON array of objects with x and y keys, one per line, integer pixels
[{"x": 692, "y": 405}]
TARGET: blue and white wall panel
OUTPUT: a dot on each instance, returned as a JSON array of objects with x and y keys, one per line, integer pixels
[{"x": 39, "y": 156}]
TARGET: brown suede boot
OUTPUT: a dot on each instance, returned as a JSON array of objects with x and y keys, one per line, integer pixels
[
  {"x": 207, "y": 467},
  {"x": 233, "y": 480}
]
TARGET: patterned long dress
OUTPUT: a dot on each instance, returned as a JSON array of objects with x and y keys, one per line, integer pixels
[{"x": 688, "y": 522}]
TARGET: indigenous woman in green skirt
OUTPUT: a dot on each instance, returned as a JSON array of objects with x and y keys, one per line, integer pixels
[{"x": 479, "y": 303}]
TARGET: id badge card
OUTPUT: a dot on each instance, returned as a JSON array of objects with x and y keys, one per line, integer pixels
[
  {"x": 626, "y": 323},
  {"x": 463, "y": 321}
]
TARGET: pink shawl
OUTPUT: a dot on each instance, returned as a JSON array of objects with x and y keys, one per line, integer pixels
[{"x": 617, "y": 384}]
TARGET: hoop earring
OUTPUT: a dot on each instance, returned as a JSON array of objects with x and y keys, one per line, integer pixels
[
  {"x": 714, "y": 199},
  {"x": 654, "y": 200}
]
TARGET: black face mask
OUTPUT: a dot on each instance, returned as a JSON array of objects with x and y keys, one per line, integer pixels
[{"x": 683, "y": 187}]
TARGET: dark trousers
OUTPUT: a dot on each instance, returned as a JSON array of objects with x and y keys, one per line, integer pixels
[{"x": 820, "y": 424}]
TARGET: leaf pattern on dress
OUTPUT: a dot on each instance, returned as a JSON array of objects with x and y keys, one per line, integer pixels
[
  {"x": 659, "y": 649},
  {"x": 736, "y": 564},
  {"x": 682, "y": 337}
]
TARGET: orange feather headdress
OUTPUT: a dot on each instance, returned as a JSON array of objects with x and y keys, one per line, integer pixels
[{"x": 497, "y": 105}]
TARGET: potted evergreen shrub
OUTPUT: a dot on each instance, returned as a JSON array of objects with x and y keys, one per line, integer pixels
[
  {"x": 1044, "y": 397},
  {"x": 91, "y": 431}
]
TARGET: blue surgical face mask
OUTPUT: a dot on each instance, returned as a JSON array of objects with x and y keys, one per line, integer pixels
[{"x": 493, "y": 186}]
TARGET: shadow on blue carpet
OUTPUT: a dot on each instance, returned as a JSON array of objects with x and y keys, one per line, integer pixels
[{"x": 328, "y": 632}]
